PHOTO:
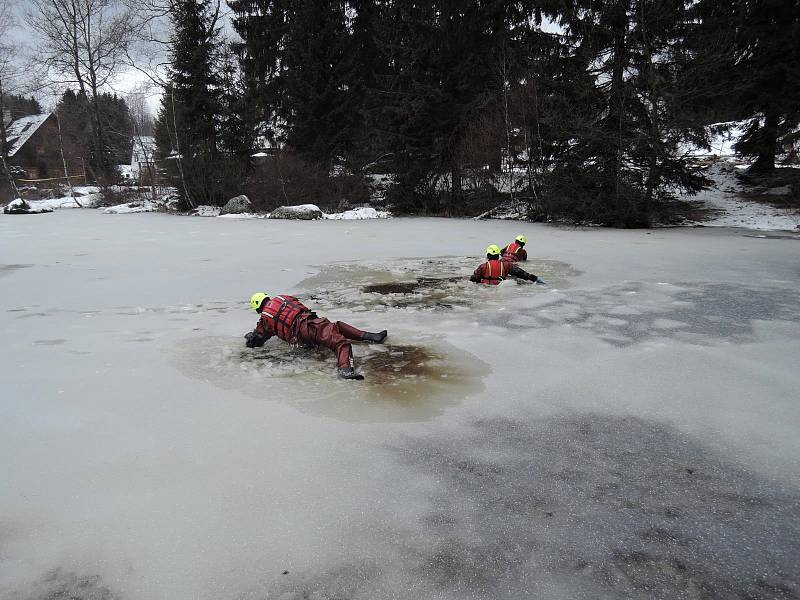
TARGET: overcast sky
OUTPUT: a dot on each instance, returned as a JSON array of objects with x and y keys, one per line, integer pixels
[{"x": 129, "y": 80}]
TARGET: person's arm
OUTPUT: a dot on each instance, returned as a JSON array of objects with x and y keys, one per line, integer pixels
[
  {"x": 523, "y": 254},
  {"x": 517, "y": 272},
  {"x": 258, "y": 337},
  {"x": 478, "y": 274}
]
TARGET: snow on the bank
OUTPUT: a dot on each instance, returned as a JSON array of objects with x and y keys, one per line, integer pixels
[
  {"x": 204, "y": 210},
  {"x": 87, "y": 196},
  {"x": 243, "y": 216},
  {"x": 365, "y": 212},
  {"x": 137, "y": 206},
  {"x": 724, "y": 197},
  {"x": 17, "y": 206}
]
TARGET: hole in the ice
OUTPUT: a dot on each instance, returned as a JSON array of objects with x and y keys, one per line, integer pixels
[
  {"x": 392, "y": 288},
  {"x": 410, "y": 287},
  {"x": 404, "y": 382},
  {"x": 430, "y": 284}
]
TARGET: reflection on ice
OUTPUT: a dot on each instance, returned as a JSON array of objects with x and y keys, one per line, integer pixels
[{"x": 404, "y": 382}]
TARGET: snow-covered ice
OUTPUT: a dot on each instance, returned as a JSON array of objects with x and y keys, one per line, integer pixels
[{"x": 629, "y": 431}]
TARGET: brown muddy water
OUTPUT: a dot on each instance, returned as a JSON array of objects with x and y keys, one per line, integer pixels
[
  {"x": 408, "y": 287},
  {"x": 404, "y": 382}
]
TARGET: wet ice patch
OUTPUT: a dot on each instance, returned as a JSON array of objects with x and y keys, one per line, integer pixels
[
  {"x": 215, "y": 307},
  {"x": 638, "y": 312},
  {"x": 576, "y": 506},
  {"x": 404, "y": 382},
  {"x": 601, "y": 507},
  {"x": 61, "y": 585}
]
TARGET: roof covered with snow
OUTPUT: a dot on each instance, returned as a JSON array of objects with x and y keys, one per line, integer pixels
[{"x": 21, "y": 130}]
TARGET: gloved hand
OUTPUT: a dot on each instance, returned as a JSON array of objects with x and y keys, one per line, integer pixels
[
  {"x": 539, "y": 281},
  {"x": 254, "y": 340}
]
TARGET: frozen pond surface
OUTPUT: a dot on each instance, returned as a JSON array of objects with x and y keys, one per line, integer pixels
[{"x": 630, "y": 431}]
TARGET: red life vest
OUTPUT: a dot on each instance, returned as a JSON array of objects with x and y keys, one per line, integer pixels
[
  {"x": 495, "y": 272},
  {"x": 511, "y": 251},
  {"x": 281, "y": 314}
]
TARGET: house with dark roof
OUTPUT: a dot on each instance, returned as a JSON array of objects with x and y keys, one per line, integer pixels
[{"x": 32, "y": 144}]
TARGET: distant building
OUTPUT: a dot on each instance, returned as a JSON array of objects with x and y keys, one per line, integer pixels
[
  {"x": 32, "y": 145},
  {"x": 143, "y": 162}
]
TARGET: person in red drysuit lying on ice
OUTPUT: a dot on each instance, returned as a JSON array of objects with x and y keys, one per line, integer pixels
[{"x": 292, "y": 321}]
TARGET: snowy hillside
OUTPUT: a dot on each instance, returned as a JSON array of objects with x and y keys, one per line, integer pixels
[
  {"x": 728, "y": 205},
  {"x": 728, "y": 201}
]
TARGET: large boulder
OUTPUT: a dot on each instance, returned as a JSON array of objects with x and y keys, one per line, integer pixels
[
  {"x": 305, "y": 212},
  {"x": 20, "y": 207},
  {"x": 237, "y": 206}
]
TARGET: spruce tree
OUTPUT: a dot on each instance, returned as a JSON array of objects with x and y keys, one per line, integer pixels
[
  {"x": 450, "y": 67},
  {"x": 188, "y": 123},
  {"x": 263, "y": 26},
  {"x": 364, "y": 64},
  {"x": 767, "y": 47},
  {"x": 316, "y": 100},
  {"x": 19, "y": 106},
  {"x": 627, "y": 157}
]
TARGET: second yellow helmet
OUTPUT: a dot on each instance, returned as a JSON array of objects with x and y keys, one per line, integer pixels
[{"x": 522, "y": 239}]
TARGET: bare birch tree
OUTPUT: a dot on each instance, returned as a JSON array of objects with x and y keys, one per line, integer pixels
[{"x": 84, "y": 43}]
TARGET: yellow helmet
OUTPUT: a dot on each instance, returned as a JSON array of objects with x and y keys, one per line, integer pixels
[
  {"x": 493, "y": 249},
  {"x": 256, "y": 300},
  {"x": 522, "y": 239}
]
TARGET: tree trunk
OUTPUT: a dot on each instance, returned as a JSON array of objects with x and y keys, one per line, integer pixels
[
  {"x": 457, "y": 194},
  {"x": 64, "y": 163},
  {"x": 4, "y": 150},
  {"x": 617, "y": 102},
  {"x": 767, "y": 141}
]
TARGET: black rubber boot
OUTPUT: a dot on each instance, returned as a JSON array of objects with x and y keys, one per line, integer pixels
[
  {"x": 375, "y": 337},
  {"x": 349, "y": 373}
]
